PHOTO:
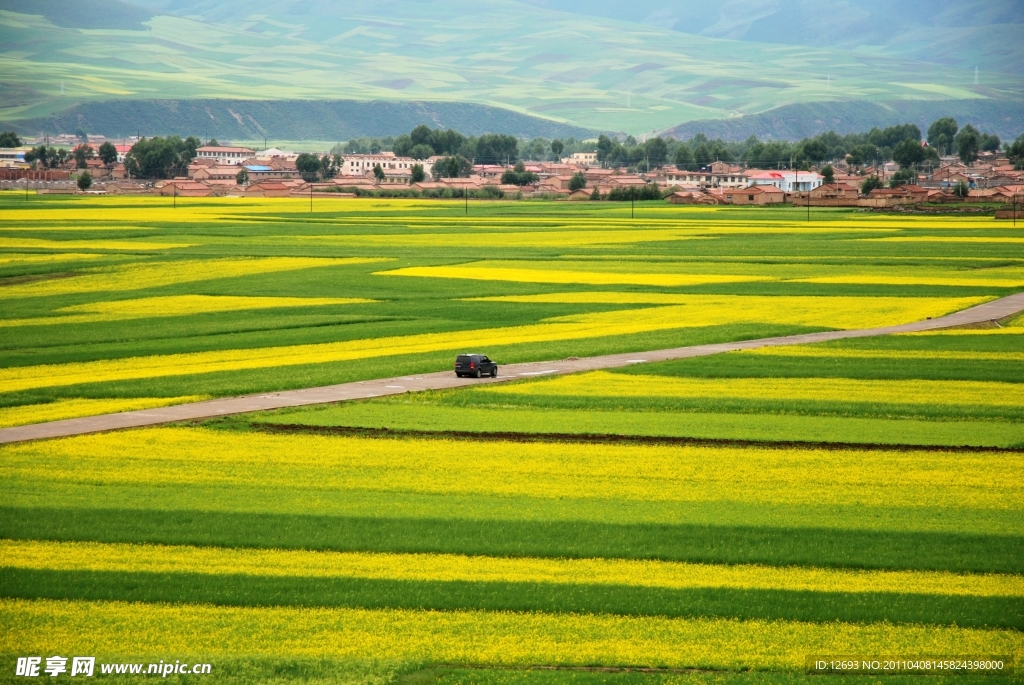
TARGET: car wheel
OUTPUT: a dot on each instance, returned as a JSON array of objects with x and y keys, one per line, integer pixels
[
  {"x": 494, "y": 372},
  {"x": 478, "y": 373}
]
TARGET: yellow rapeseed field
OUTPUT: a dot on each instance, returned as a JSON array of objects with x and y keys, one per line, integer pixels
[
  {"x": 833, "y": 312},
  {"x": 925, "y": 392},
  {"x": 469, "y": 637},
  {"x": 139, "y": 276},
  {"x": 74, "y": 408},
  {"x": 92, "y": 556},
  {"x": 17, "y": 259},
  {"x": 819, "y": 352},
  {"x": 566, "y": 276},
  {"x": 987, "y": 279},
  {"x": 654, "y": 473},
  {"x": 675, "y": 273},
  {"x": 39, "y": 244},
  {"x": 174, "y": 305}
]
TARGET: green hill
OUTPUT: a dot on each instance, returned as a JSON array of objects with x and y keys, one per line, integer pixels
[
  {"x": 1005, "y": 118},
  {"x": 290, "y": 119},
  {"x": 637, "y": 74}
]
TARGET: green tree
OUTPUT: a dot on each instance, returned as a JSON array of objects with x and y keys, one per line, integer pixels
[
  {"x": 212, "y": 142},
  {"x": 455, "y": 166},
  {"x": 941, "y": 134},
  {"x": 83, "y": 153},
  {"x": 242, "y": 177},
  {"x": 648, "y": 191},
  {"x": 596, "y": 194},
  {"x": 421, "y": 151},
  {"x": 81, "y": 134},
  {"x": 556, "y": 149},
  {"x": 655, "y": 152},
  {"x": 990, "y": 142},
  {"x": 605, "y": 145},
  {"x": 865, "y": 153},
  {"x": 684, "y": 156},
  {"x": 1015, "y": 152},
  {"x": 536, "y": 149},
  {"x": 908, "y": 153},
  {"x": 422, "y": 135},
  {"x": 330, "y": 165},
  {"x": 894, "y": 135},
  {"x": 418, "y": 175},
  {"x": 308, "y": 166},
  {"x": 84, "y": 181},
  {"x": 702, "y": 155},
  {"x": 108, "y": 153},
  {"x": 961, "y": 189},
  {"x": 39, "y": 155},
  {"x": 519, "y": 176},
  {"x": 9, "y": 139},
  {"x": 968, "y": 144},
  {"x": 903, "y": 177},
  {"x": 403, "y": 144},
  {"x": 870, "y": 183},
  {"x": 828, "y": 174},
  {"x": 160, "y": 157},
  {"x": 815, "y": 151},
  {"x": 578, "y": 181},
  {"x": 378, "y": 173},
  {"x": 495, "y": 148}
]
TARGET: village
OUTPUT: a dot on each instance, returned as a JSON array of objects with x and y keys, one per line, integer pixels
[{"x": 232, "y": 171}]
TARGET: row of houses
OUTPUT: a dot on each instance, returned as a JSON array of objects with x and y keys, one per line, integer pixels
[{"x": 845, "y": 195}]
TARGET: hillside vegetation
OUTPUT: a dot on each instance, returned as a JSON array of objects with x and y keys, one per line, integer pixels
[
  {"x": 289, "y": 119},
  {"x": 592, "y": 72}
]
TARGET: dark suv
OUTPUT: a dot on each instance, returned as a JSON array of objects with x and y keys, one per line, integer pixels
[{"x": 475, "y": 365}]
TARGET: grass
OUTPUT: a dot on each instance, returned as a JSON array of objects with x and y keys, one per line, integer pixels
[{"x": 294, "y": 554}]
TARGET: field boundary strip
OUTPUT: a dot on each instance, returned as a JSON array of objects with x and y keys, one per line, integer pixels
[
  {"x": 614, "y": 438},
  {"x": 443, "y": 380}
]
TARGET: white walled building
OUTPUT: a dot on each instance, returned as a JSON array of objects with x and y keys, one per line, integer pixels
[
  {"x": 225, "y": 155},
  {"x": 787, "y": 181},
  {"x": 360, "y": 165}
]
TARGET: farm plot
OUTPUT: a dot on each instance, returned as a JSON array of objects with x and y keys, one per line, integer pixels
[{"x": 732, "y": 514}]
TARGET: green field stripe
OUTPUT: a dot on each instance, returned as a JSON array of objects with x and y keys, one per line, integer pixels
[
  {"x": 407, "y": 414},
  {"x": 373, "y": 593},
  {"x": 738, "y": 405},
  {"x": 454, "y": 675},
  {"x": 569, "y": 539},
  {"x": 882, "y": 368}
]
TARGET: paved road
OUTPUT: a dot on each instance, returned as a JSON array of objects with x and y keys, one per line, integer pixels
[{"x": 997, "y": 309}]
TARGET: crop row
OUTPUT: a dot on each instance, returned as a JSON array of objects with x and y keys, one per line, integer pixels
[{"x": 473, "y": 637}]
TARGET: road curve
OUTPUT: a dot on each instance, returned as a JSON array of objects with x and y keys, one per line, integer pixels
[{"x": 997, "y": 309}]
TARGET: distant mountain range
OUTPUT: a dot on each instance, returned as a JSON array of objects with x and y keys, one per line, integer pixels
[
  {"x": 1005, "y": 118},
  {"x": 323, "y": 120},
  {"x": 599, "y": 65}
]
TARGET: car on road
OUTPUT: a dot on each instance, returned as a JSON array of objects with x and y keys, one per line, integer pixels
[{"x": 475, "y": 365}]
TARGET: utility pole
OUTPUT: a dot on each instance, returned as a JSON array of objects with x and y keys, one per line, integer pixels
[
  {"x": 310, "y": 197},
  {"x": 175, "y": 196}
]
